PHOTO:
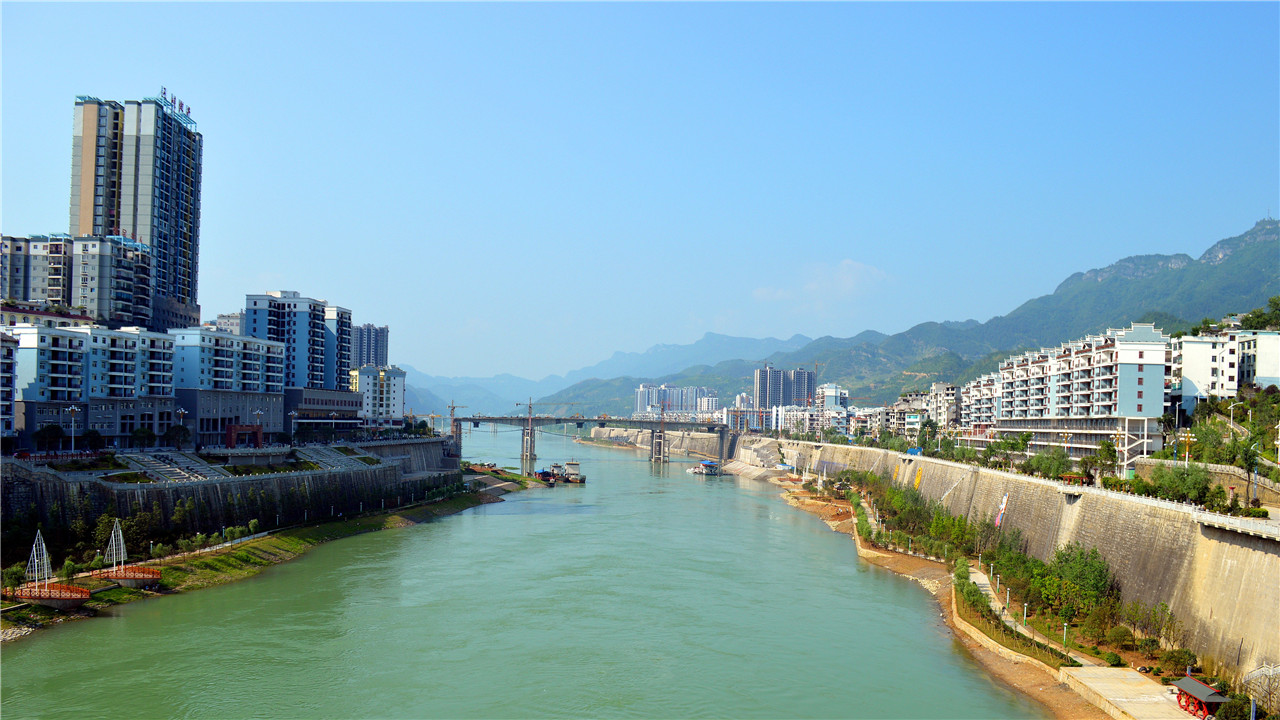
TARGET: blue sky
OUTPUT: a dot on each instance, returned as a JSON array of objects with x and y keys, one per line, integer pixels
[{"x": 528, "y": 188}]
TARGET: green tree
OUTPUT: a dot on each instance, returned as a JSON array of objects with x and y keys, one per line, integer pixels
[
  {"x": 177, "y": 435},
  {"x": 1177, "y": 660},
  {"x": 14, "y": 575},
  {"x": 1150, "y": 647},
  {"x": 1261, "y": 319},
  {"x": 143, "y": 437},
  {"x": 1120, "y": 637},
  {"x": 50, "y": 436},
  {"x": 68, "y": 571},
  {"x": 1107, "y": 456},
  {"x": 93, "y": 440}
]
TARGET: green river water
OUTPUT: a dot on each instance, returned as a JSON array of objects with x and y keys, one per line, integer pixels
[{"x": 645, "y": 593}]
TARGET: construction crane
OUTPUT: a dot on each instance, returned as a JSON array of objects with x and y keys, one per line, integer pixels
[
  {"x": 452, "y": 408},
  {"x": 813, "y": 390},
  {"x": 526, "y": 440}
]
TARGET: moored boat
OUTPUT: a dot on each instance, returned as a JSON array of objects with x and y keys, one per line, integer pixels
[
  {"x": 706, "y": 467},
  {"x": 573, "y": 472}
]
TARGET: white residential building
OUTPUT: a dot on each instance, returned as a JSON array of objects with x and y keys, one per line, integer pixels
[
  {"x": 382, "y": 392},
  {"x": 93, "y": 378},
  {"x": 1217, "y": 365},
  {"x": 944, "y": 404},
  {"x": 1260, "y": 358},
  {"x": 1104, "y": 387}
]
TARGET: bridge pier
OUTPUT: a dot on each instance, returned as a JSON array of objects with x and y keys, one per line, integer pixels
[
  {"x": 722, "y": 441},
  {"x": 526, "y": 444},
  {"x": 658, "y": 446}
]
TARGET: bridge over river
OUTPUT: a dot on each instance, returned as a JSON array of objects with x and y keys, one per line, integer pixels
[{"x": 657, "y": 428}]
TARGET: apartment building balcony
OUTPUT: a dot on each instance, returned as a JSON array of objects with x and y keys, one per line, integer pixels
[
  {"x": 61, "y": 382},
  {"x": 222, "y": 385},
  {"x": 66, "y": 395},
  {"x": 64, "y": 370},
  {"x": 118, "y": 392}
]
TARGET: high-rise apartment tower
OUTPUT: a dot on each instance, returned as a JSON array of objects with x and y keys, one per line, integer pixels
[
  {"x": 135, "y": 172},
  {"x": 369, "y": 344}
]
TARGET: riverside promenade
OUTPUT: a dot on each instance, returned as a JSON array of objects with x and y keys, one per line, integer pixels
[{"x": 1123, "y": 693}]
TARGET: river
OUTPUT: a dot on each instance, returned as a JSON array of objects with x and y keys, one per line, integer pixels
[{"x": 644, "y": 593}]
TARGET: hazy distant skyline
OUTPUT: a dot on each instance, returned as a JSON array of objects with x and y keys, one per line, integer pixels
[{"x": 567, "y": 180}]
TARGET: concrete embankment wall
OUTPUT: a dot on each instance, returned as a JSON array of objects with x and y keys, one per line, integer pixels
[
  {"x": 678, "y": 441},
  {"x": 34, "y": 498},
  {"x": 1223, "y": 585},
  {"x": 416, "y": 456}
]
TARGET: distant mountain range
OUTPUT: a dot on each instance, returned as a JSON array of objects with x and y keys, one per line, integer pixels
[
  {"x": 1174, "y": 291},
  {"x": 499, "y": 394}
]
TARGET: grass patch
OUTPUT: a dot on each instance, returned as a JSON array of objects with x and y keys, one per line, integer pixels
[
  {"x": 115, "y": 596},
  {"x": 294, "y": 466},
  {"x": 30, "y": 616},
  {"x": 369, "y": 460},
  {"x": 1001, "y": 633},
  {"x": 102, "y": 462},
  {"x": 349, "y": 452},
  {"x": 130, "y": 477}
]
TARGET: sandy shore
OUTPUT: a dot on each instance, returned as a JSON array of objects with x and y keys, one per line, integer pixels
[{"x": 1032, "y": 680}]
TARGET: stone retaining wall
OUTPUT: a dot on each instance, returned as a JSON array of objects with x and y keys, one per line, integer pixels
[
  {"x": 54, "y": 501},
  {"x": 1222, "y": 584},
  {"x": 678, "y": 441}
]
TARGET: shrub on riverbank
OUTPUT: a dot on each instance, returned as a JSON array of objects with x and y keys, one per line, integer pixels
[
  {"x": 1076, "y": 584},
  {"x": 974, "y": 607}
]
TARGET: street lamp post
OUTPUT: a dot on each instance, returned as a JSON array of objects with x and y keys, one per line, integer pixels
[
  {"x": 333, "y": 425},
  {"x": 1231, "y": 413},
  {"x": 73, "y": 410},
  {"x": 293, "y": 423},
  {"x": 1064, "y": 638},
  {"x": 182, "y": 420},
  {"x": 1253, "y": 471}
]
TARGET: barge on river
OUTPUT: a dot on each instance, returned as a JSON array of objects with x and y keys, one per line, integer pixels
[{"x": 570, "y": 472}]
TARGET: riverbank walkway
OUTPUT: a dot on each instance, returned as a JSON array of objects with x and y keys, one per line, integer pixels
[
  {"x": 983, "y": 582},
  {"x": 1123, "y": 690}
]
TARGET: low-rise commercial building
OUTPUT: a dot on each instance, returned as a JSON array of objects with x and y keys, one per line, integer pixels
[{"x": 314, "y": 413}]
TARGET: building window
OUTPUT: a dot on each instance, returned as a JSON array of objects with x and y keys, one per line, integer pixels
[
  {"x": 1140, "y": 380},
  {"x": 1140, "y": 365},
  {"x": 1139, "y": 407},
  {"x": 1139, "y": 394},
  {"x": 1139, "y": 354}
]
